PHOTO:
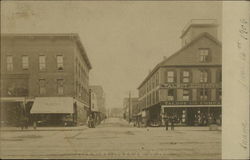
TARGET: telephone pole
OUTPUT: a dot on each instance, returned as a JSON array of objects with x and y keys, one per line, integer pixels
[{"x": 129, "y": 107}]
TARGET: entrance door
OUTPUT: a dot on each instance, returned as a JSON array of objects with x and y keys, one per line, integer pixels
[{"x": 191, "y": 116}]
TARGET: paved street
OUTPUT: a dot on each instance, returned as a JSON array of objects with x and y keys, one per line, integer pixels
[{"x": 113, "y": 139}]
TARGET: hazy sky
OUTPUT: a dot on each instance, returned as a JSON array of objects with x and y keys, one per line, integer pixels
[{"x": 123, "y": 40}]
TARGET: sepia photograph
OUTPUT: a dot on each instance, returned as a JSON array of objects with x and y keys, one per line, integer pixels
[{"x": 114, "y": 80}]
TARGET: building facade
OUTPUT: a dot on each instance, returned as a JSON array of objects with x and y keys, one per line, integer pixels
[
  {"x": 187, "y": 85},
  {"x": 100, "y": 97},
  {"x": 130, "y": 108},
  {"x": 39, "y": 67}
]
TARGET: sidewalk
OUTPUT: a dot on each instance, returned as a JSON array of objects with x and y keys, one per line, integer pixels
[{"x": 18, "y": 129}]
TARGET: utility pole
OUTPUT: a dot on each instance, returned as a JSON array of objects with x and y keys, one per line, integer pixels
[{"x": 129, "y": 107}]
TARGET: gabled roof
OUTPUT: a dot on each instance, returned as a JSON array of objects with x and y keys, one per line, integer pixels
[{"x": 164, "y": 62}]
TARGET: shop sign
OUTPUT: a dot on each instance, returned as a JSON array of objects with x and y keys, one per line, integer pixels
[
  {"x": 143, "y": 114},
  {"x": 193, "y": 103},
  {"x": 191, "y": 85}
]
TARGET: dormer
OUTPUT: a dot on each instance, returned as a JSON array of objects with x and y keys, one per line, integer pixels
[{"x": 197, "y": 26}]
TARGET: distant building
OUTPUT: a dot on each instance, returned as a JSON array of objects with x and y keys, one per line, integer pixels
[
  {"x": 44, "y": 74},
  {"x": 100, "y": 97},
  {"x": 187, "y": 84},
  {"x": 116, "y": 112},
  {"x": 130, "y": 108}
]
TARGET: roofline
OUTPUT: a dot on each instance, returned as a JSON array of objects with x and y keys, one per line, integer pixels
[
  {"x": 196, "y": 25},
  {"x": 75, "y": 36},
  {"x": 176, "y": 53}
]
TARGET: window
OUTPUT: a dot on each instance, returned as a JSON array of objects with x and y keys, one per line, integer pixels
[
  {"x": 204, "y": 94},
  {"x": 25, "y": 62},
  {"x": 170, "y": 76},
  {"x": 59, "y": 60},
  {"x": 186, "y": 95},
  {"x": 42, "y": 87},
  {"x": 9, "y": 63},
  {"x": 170, "y": 94},
  {"x": 204, "y": 53},
  {"x": 203, "y": 76},
  {"x": 60, "y": 86},
  {"x": 185, "y": 76},
  {"x": 219, "y": 94},
  {"x": 42, "y": 63}
]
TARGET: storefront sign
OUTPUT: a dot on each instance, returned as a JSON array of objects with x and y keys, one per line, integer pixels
[
  {"x": 191, "y": 85},
  {"x": 193, "y": 103}
]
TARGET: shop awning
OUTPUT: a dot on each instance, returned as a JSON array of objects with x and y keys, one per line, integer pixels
[{"x": 53, "y": 105}]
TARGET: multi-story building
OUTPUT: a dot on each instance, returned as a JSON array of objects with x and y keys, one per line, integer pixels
[
  {"x": 130, "y": 108},
  {"x": 45, "y": 74},
  {"x": 100, "y": 97},
  {"x": 187, "y": 84}
]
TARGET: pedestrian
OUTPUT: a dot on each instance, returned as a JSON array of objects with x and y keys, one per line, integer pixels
[
  {"x": 166, "y": 122},
  {"x": 172, "y": 122},
  {"x": 22, "y": 122},
  {"x": 26, "y": 122}
]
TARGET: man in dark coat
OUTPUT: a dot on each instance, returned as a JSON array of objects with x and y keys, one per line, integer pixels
[
  {"x": 166, "y": 122},
  {"x": 172, "y": 122}
]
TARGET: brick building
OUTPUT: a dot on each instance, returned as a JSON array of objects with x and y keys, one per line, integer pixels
[
  {"x": 44, "y": 74},
  {"x": 187, "y": 84}
]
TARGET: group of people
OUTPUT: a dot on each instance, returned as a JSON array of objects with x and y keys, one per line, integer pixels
[
  {"x": 91, "y": 121},
  {"x": 24, "y": 122},
  {"x": 171, "y": 120}
]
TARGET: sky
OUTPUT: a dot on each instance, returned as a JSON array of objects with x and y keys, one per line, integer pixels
[{"x": 124, "y": 40}]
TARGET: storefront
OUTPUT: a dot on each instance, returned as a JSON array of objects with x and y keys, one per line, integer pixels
[
  {"x": 14, "y": 110},
  {"x": 57, "y": 111},
  {"x": 199, "y": 115}
]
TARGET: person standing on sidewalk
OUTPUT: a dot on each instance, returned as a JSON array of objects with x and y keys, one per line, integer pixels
[
  {"x": 166, "y": 122},
  {"x": 172, "y": 122}
]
